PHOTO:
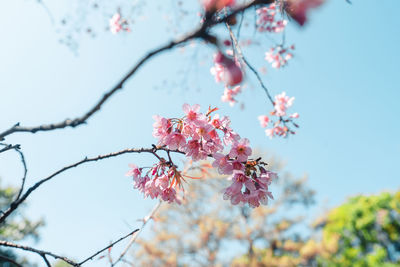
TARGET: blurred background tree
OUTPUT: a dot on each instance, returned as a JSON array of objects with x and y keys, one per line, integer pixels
[
  {"x": 365, "y": 231},
  {"x": 206, "y": 231},
  {"x": 17, "y": 228}
]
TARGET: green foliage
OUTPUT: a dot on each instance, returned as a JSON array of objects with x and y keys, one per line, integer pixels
[
  {"x": 367, "y": 232},
  {"x": 17, "y": 227}
]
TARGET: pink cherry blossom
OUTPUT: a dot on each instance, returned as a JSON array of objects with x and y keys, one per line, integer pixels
[
  {"x": 241, "y": 150},
  {"x": 175, "y": 141},
  {"x": 118, "y": 24},
  {"x": 282, "y": 102},
  {"x": 279, "y": 56},
  {"x": 227, "y": 70},
  {"x": 263, "y": 120},
  {"x": 222, "y": 163},
  {"x": 266, "y": 19}
]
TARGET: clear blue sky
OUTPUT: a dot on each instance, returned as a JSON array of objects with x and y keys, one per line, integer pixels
[{"x": 344, "y": 77}]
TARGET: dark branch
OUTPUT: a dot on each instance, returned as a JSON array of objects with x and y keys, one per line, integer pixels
[
  {"x": 111, "y": 245},
  {"x": 9, "y": 147},
  {"x": 4, "y": 258},
  {"x": 15, "y": 204},
  {"x": 17, "y": 148},
  {"x": 42, "y": 253},
  {"x": 201, "y": 33},
  {"x": 134, "y": 237}
]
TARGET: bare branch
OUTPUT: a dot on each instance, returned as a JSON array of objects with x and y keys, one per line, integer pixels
[
  {"x": 42, "y": 253},
  {"x": 135, "y": 236},
  {"x": 201, "y": 33},
  {"x": 9, "y": 147},
  {"x": 17, "y": 148},
  {"x": 109, "y": 246},
  {"x": 15, "y": 204},
  {"x": 10, "y": 260}
]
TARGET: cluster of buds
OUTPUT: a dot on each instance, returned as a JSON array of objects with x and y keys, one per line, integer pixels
[
  {"x": 198, "y": 136},
  {"x": 279, "y": 56},
  {"x": 280, "y": 127},
  {"x": 266, "y": 19},
  {"x": 118, "y": 24}
]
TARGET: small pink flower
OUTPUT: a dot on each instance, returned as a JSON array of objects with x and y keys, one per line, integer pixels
[
  {"x": 175, "y": 140},
  {"x": 282, "y": 102},
  {"x": 263, "y": 120},
  {"x": 117, "y": 24},
  {"x": 278, "y": 56},
  {"x": 135, "y": 172},
  {"x": 222, "y": 164},
  {"x": 241, "y": 150},
  {"x": 227, "y": 70},
  {"x": 266, "y": 21}
]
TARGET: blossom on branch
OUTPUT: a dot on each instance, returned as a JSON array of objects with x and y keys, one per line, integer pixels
[
  {"x": 279, "y": 56},
  {"x": 281, "y": 127},
  {"x": 266, "y": 19},
  {"x": 198, "y": 136},
  {"x": 118, "y": 24}
]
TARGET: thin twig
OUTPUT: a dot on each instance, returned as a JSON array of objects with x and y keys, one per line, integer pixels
[
  {"x": 42, "y": 253},
  {"x": 109, "y": 246},
  {"x": 236, "y": 45},
  {"x": 17, "y": 148},
  {"x": 135, "y": 236},
  {"x": 201, "y": 32},
  {"x": 14, "y": 205},
  {"x": 9, "y": 147},
  {"x": 4, "y": 258}
]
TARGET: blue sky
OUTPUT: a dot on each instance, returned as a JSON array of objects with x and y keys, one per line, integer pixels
[{"x": 344, "y": 77}]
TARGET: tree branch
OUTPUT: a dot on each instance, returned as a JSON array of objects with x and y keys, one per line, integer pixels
[
  {"x": 201, "y": 33},
  {"x": 134, "y": 237},
  {"x": 17, "y": 148},
  {"x": 42, "y": 253},
  {"x": 109, "y": 246},
  {"x": 10, "y": 260},
  {"x": 15, "y": 204}
]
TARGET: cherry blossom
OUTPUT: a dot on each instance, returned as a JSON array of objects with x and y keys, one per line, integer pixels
[
  {"x": 279, "y": 56},
  {"x": 226, "y": 69},
  {"x": 118, "y": 24},
  {"x": 280, "y": 127},
  {"x": 199, "y": 136},
  {"x": 266, "y": 19},
  {"x": 229, "y": 95}
]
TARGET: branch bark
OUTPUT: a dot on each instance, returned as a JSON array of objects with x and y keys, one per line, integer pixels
[{"x": 200, "y": 33}]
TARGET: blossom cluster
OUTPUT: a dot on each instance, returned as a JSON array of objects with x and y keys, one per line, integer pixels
[
  {"x": 198, "y": 136},
  {"x": 279, "y": 56},
  {"x": 229, "y": 71},
  {"x": 266, "y": 19},
  {"x": 280, "y": 127},
  {"x": 230, "y": 93},
  {"x": 118, "y": 24}
]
